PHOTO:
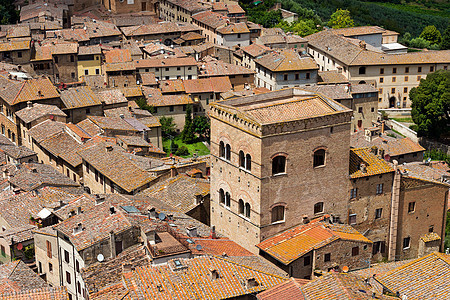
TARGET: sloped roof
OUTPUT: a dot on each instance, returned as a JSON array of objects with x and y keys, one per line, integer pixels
[
  {"x": 117, "y": 55},
  {"x": 160, "y": 28},
  {"x": 287, "y": 60},
  {"x": 30, "y": 114},
  {"x": 292, "y": 244},
  {"x": 290, "y": 289},
  {"x": 427, "y": 277},
  {"x": 210, "y": 19},
  {"x": 220, "y": 68},
  {"x": 374, "y": 165},
  {"x": 233, "y": 28},
  {"x": 193, "y": 280},
  {"x": 46, "y": 129},
  {"x": 207, "y": 85},
  {"x": 116, "y": 167},
  {"x": 14, "y": 151},
  {"x": 46, "y": 293},
  {"x": 255, "y": 50},
  {"x": 77, "y": 97},
  {"x": 29, "y": 90},
  {"x": 22, "y": 276}
]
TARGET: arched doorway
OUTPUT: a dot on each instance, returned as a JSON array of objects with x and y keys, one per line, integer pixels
[{"x": 392, "y": 102}]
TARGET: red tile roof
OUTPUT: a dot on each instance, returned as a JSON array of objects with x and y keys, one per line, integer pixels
[{"x": 290, "y": 289}]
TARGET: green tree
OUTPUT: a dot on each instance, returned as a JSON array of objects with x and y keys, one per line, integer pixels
[
  {"x": 167, "y": 126},
  {"x": 419, "y": 43},
  {"x": 341, "y": 19},
  {"x": 142, "y": 103},
  {"x": 431, "y": 34},
  {"x": 301, "y": 27},
  {"x": 187, "y": 135},
  {"x": 201, "y": 126},
  {"x": 182, "y": 151},
  {"x": 445, "y": 42},
  {"x": 405, "y": 39},
  {"x": 431, "y": 104}
]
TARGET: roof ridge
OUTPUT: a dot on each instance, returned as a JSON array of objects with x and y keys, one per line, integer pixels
[{"x": 245, "y": 266}]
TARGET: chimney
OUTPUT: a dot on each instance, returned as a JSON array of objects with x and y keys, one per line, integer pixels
[
  {"x": 363, "y": 45},
  {"x": 78, "y": 228},
  {"x": 109, "y": 148},
  {"x": 112, "y": 244},
  {"x": 173, "y": 171},
  {"x": 214, "y": 274},
  {"x": 381, "y": 152},
  {"x": 126, "y": 268},
  {"x": 305, "y": 219},
  {"x": 112, "y": 210},
  {"x": 191, "y": 231},
  {"x": 363, "y": 167},
  {"x": 382, "y": 127},
  {"x": 79, "y": 210},
  {"x": 16, "y": 191},
  {"x": 213, "y": 232},
  {"x": 99, "y": 199},
  {"x": 39, "y": 93},
  {"x": 122, "y": 116},
  {"x": 152, "y": 213},
  {"x": 374, "y": 150},
  {"x": 5, "y": 173}
]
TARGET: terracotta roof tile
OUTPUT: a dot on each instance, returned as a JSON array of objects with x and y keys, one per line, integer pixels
[
  {"x": 29, "y": 90},
  {"x": 117, "y": 55},
  {"x": 427, "y": 277},
  {"x": 287, "y": 60},
  {"x": 290, "y": 289},
  {"x": 46, "y": 129},
  {"x": 23, "y": 278},
  {"x": 220, "y": 68},
  {"x": 77, "y": 97},
  {"x": 165, "y": 62},
  {"x": 294, "y": 243},
  {"x": 191, "y": 279},
  {"x": 47, "y": 293},
  {"x": 217, "y": 247},
  {"x": 233, "y": 28},
  {"x": 160, "y": 28},
  {"x": 155, "y": 98},
  {"x": 211, "y": 19},
  {"x": 208, "y": 85},
  {"x": 37, "y": 111},
  {"x": 373, "y": 164},
  {"x": 171, "y": 86}
]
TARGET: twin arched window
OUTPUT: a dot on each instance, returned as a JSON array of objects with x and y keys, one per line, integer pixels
[
  {"x": 245, "y": 161},
  {"x": 225, "y": 150},
  {"x": 244, "y": 209},
  {"x": 224, "y": 198}
]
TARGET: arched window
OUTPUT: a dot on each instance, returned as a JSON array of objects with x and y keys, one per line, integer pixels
[
  {"x": 221, "y": 149},
  {"x": 222, "y": 196},
  {"x": 318, "y": 208},
  {"x": 228, "y": 152},
  {"x": 278, "y": 213},
  {"x": 319, "y": 158},
  {"x": 247, "y": 210},
  {"x": 248, "y": 162},
  {"x": 227, "y": 199},
  {"x": 241, "y": 159},
  {"x": 241, "y": 207},
  {"x": 362, "y": 70},
  {"x": 278, "y": 165}
]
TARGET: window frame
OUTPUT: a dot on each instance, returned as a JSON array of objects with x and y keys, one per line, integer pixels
[
  {"x": 319, "y": 160},
  {"x": 279, "y": 165},
  {"x": 277, "y": 211}
]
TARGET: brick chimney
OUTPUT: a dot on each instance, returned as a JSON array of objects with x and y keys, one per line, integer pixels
[{"x": 112, "y": 244}]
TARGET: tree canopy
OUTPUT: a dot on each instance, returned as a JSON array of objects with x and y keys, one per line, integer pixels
[
  {"x": 431, "y": 104},
  {"x": 431, "y": 34},
  {"x": 445, "y": 42},
  {"x": 341, "y": 19},
  {"x": 167, "y": 126},
  {"x": 187, "y": 135}
]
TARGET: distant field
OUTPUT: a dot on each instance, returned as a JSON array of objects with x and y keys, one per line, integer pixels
[{"x": 414, "y": 8}]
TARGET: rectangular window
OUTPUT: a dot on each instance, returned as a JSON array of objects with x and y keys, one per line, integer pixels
[
  {"x": 87, "y": 168},
  {"x": 406, "y": 242},
  {"x": 285, "y": 77},
  {"x": 167, "y": 69},
  {"x": 418, "y": 78},
  {"x": 96, "y": 175},
  {"x": 86, "y": 72},
  {"x": 77, "y": 266},
  {"x": 19, "y": 54},
  {"x": 360, "y": 110},
  {"x": 394, "y": 70},
  {"x": 68, "y": 279},
  {"x": 352, "y": 219},
  {"x": 406, "y": 69},
  {"x": 50, "y": 267},
  {"x": 378, "y": 213},
  {"x": 431, "y": 68},
  {"x": 308, "y": 76},
  {"x": 381, "y": 70},
  {"x": 297, "y": 76},
  {"x": 171, "y": 108},
  {"x": 355, "y": 251},
  {"x": 393, "y": 91},
  {"x": 419, "y": 69},
  {"x": 406, "y": 78},
  {"x": 405, "y": 90},
  {"x": 3, "y": 251},
  {"x": 379, "y": 189},
  {"x": 394, "y": 79},
  {"x": 327, "y": 257},
  {"x": 307, "y": 261},
  {"x": 411, "y": 207},
  {"x": 381, "y": 79},
  {"x": 66, "y": 256},
  {"x": 378, "y": 247},
  {"x": 49, "y": 249}
]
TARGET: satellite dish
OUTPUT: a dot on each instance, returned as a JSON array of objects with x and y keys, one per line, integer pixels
[
  {"x": 162, "y": 216},
  {"x": 198, "y": 247},
  {"x": 19, "y": 246},
  {"x": 345, "y": 269},
  {"x": 100, "y": 257}
]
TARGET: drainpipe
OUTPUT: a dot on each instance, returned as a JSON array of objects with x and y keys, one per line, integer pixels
[{"x": 395, "y": 199}]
